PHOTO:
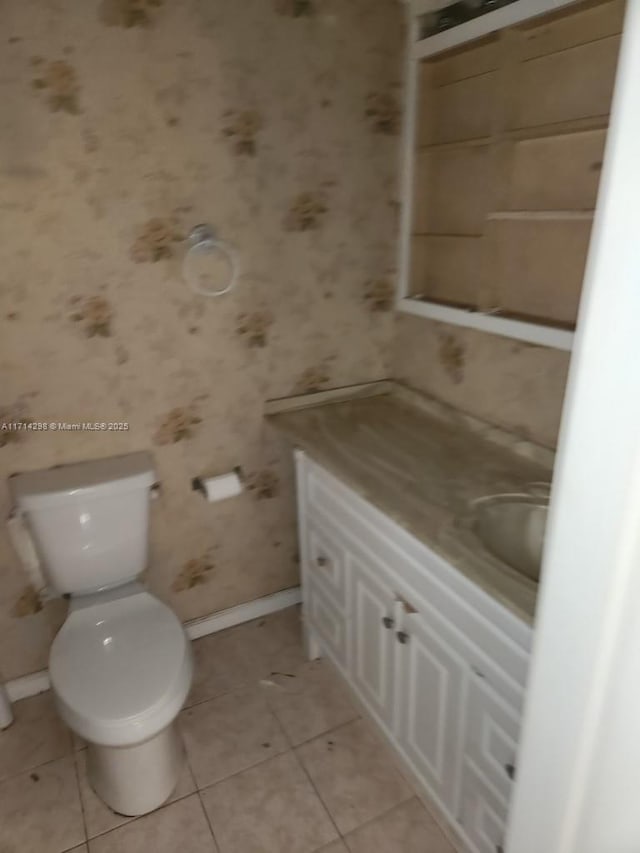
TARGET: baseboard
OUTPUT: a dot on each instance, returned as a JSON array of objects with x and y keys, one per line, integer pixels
[
  {"x": 38, "y": 682},
  {"x": 243, "y": 612},
  {"x": 28, "y": 685}
]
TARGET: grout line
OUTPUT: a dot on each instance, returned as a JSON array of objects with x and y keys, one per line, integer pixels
[
  {"x": 127, "y": 819},
  {"x": 383, "y": 814},
  {"x": 370, "y": 820},
  {"x": 244, "y": 770},
  {"x": 288, "y": 745},
  {"x": 238, "y": 688},
  {"x": 328, "y": 731},
  {"x": 197, "y": 790},
  {"x": 186, "y": 758},
  {"x": 359, "y": 716},
  {"x": 213, "y": 698},
  {"x": 279, "y": 724},
  {"x": 133, "y": 818},
  {"x": 79, "y": 786},
  {"x": 394, "y": 762},
  {"x": 291, "y": 747},
  {"x": 244, "y": 685},
  {"x": 209, "y": 824},
  {"x": 317, "y": 792},
  {"x": 35, "y": 767}
]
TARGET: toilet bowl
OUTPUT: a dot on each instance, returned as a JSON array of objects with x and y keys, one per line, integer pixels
[
  {"x": 120, "y": 666},
  {"x": 120, "y": 670}
]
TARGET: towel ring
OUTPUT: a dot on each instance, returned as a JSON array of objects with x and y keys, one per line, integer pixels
[{"x": 203, "y": 241}]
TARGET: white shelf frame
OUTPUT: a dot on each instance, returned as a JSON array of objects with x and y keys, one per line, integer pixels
[
  {"x": 532, "y": 333},
  {"x": 515, "y": 13},
  {"x": 523, "y": 10}
]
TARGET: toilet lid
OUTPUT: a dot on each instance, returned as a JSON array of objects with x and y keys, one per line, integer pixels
[{"x": 120, "y": 668}]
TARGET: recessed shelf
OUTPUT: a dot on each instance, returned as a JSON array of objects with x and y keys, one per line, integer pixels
[
  {"x": 560, "y": 128},
  {"x": 501, "y": 178},
  {"x": 493, "y": 324}
]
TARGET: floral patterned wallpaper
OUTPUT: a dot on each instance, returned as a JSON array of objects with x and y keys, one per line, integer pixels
[
  {"x": 517, "y": 386},
  {"x": 123, "y": 124}
]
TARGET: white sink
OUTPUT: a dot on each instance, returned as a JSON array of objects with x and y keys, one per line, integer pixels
[{"x": 511, "y": 528}]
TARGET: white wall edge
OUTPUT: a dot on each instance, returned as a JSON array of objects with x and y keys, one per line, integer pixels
[
  {"x": 532, "y": 333},
  {"x": 38, "y": 682},
  {"x": 516, "y": 13},
  {"x": 576, "y": 789}
]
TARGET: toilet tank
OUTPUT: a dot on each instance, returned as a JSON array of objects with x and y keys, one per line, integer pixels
[{"x": 89, "y": 521}]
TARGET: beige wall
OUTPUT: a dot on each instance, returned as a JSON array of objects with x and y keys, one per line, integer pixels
[
  {"x": 514, "y": 385},
  {"x": 124, "y": 123}
]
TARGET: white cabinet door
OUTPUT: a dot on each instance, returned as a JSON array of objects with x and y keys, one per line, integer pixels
[
  {"x": 483, "y": 815},
  {"x": 372, "y": 637},
  {"x": 429, "y": 734},
  {"x": 492, "y": 730},
  {"x": 491, "y": 735}
]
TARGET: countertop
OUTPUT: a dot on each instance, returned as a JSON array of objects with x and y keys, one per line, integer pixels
[{"x": 422, "y": 466}]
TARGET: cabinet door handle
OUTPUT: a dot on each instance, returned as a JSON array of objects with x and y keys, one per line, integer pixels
[
  {"x": 510, "y": 770},
  {"x": 403, "y": 637},
  {"x": 499, "y": 848},
  {"x": 388, "y": 622},
  {"x": 406, "y": 605},
  {"x": 322, "y": 561}
]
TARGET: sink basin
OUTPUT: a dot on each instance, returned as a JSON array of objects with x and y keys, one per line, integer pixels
[{"x": 511, "y": 527}]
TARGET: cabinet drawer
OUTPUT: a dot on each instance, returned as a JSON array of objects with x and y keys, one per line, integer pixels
[
  {"x": 482, "y": 815},
  {"x": 328, "y": 622},
  {"x": 492, "y": 732},
  {"x": 326, "y": 563}
]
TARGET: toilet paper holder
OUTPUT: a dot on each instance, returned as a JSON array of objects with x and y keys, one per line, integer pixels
[{"x": 220, "y": 487}]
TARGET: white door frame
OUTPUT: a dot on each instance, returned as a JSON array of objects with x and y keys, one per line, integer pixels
[{"x": 578, "y": 783}]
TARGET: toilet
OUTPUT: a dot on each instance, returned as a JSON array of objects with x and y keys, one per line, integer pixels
[{"x": 120, "y": 666}]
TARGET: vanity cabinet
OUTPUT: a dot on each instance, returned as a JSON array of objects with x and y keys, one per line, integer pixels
[{"x": 439, "y": 664}]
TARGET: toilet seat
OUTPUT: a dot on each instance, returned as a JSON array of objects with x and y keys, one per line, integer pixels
[{"x": 120, "y": 668}]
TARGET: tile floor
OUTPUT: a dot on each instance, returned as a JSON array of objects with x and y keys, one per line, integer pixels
[{"x": 279, "y": 760}]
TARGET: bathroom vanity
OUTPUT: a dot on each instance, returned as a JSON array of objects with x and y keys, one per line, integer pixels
[{"x": 432, "y": 634}]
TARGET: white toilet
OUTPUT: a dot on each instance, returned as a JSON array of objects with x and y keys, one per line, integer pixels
[{"x": 120, "y": 666}]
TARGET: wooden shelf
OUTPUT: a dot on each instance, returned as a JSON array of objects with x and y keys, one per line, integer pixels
[
  {"x": 561, "y": 128},
  {"x": 444, "y": 235},
  {"x": 456, "y": 144},
  {"x": 524, "y": 134},
  {"x": 493, "y": 324},
  {"x": 541, "y": 215}
]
